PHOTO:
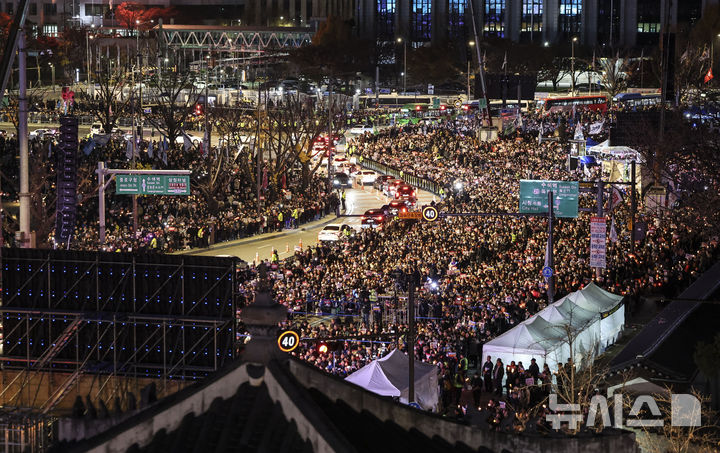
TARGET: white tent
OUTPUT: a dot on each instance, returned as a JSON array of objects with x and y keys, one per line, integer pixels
[
  {"x": 615, "y": 152},
  {"x": 584, "y": 326},
  {"x": 533, "y": 338},
  {"x": 594, "y": 317},
  {"x": 389, "y": 376},
  {"x": 608, "y": 305}
]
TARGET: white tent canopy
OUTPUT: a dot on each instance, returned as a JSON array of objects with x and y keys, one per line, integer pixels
[
  {"x": 389, "y": 376},
  {"x": 592, "y": 317},
  {"x": 615, "y": 152}
]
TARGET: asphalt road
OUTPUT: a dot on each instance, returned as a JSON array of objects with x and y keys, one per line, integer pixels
[{"x": 357, "y": 201}]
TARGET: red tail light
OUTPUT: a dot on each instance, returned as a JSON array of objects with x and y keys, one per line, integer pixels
[{"x": 380, "y": 218}]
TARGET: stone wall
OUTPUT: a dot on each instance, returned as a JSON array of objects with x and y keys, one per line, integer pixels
[{"x": 432, "y": 425}]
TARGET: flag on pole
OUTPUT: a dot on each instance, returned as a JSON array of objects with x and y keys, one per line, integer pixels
[
  {"x": 579, "y": 132},
  {"x": 613, "y": 231},
  {"x": 709, "y": 76},
  {"x": 150, "y": 149},
  {"x": 88, "y": 148},
  {"x": 706, "y": 54},
  {"x": 187, "y": 144},
  {"x": 129, "y": 150},
  {"x": 596, "y": 127},
  {"x": 504, "y": 65},
  {"x": 615, "y": 198}
]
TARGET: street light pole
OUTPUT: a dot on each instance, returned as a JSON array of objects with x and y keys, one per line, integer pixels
[
  {"x": 572, "y": 65},
  {"x": 471, "y": 43},
  {"x": 52, "y": 70},
  {"x": 87, "y": 55},
  {"x": 404, "y": 43}
]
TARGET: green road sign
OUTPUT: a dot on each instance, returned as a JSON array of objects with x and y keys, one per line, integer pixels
[
  {"x": 534, "y": 197},
  {"x": 152, "y": 184}
]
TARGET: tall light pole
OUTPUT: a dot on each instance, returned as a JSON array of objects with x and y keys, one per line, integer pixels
[
  {"x": 471, "y": 43},
  {"x": 712, "y": 50},
  {"x": 88, "y": 56},
  {"x": 404, "y": 74},
  {"x": 572, "y": 65},
  {"x": 52, "y": 70}
]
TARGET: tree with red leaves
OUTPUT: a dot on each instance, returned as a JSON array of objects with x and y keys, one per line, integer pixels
[{"x": 132, "y": 15}]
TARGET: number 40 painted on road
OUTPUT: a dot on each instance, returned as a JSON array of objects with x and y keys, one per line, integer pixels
[{"x": 288, "y": 341}]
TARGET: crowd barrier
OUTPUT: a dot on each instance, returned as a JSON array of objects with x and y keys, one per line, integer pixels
[{"x": 420, "y": 183}]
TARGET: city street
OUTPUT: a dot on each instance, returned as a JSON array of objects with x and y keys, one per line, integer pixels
[{"x": 358, "y": 201}]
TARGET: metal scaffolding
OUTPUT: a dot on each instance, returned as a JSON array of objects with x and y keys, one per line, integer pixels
[{"x": 157, "y": 317}]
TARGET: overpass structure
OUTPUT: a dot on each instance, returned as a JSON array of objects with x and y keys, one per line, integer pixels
[{"x": 231, "y": 39}]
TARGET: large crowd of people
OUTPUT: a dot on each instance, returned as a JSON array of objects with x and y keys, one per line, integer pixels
[
  {"x": 479, "y": 275},
  {"x": 172, "y": 223}
]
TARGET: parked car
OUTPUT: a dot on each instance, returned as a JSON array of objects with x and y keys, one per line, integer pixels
[
  {"x": 365, "y": 176},
  {"x": 361, "y": 129},
  {"x": 373, "y": 218},
  {"x": 380, "y": 181},
  {"x": 341, "y": 180},
  {"x": 333, "y": 232},
  {"x": 96, "y": 129},
  {"x": 39, "y": 133}
]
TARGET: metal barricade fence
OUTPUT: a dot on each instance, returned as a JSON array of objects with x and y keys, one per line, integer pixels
[{"x": 420, "y": 183}]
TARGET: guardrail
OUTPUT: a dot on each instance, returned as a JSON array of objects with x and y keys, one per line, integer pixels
[{"x": 420, "y": 183}]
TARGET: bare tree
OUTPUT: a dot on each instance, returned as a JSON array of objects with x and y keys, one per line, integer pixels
[
  {"x": 172, "y": 102},
  {"x": 11, "y": 109},
  {"x": 288, "y": 132},
  {"x": 552, "y": 71},
  {"x": 669, "y": 437},
  {"x": 110, "y": 101},
  {"x": 613, "y": 76}
]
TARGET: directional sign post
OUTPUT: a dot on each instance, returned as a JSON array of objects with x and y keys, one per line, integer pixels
[
  {"x": 140, "y": 182},
  {"x": 534, "y": 197},
  {"x": 152, "y": 184}
]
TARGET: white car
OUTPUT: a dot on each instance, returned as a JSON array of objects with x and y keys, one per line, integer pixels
[
  {"x": 40, "y": 133},
  {"x": 195, "y": 140},
  {"x": 333, "y": 232},
  {"x": 365, "y": 176},
  {"x": 96, "y": 129},
  {"x": 340, "y": 162},
  {"x": 361, "y": 129}
]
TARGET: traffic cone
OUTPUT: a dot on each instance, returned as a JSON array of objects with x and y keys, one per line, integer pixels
[
  {"x": 257, "y": 258},
  {"x": 300, "y": 244},
  {"x": 287, "y": 247}
]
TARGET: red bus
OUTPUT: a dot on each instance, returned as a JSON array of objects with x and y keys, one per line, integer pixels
[{"x": 565, "y": 104}]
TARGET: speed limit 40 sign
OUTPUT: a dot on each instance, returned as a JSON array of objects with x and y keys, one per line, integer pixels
[
  {"x": 288, "y": 341},
  {"x": 430, "y": 213}
]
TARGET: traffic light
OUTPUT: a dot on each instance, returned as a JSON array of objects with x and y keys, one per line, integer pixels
[
  {"x": 198, "y": 109},
  {"x": 323, "y": 347}
]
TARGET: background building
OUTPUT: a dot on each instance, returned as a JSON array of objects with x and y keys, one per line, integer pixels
[{"x": 595, "y": 22}]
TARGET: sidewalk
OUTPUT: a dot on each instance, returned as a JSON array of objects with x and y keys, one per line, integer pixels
[{"x": 261, "y": 237}]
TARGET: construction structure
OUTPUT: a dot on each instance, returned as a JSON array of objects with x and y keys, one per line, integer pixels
[{"x": 104, "y": 325}]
